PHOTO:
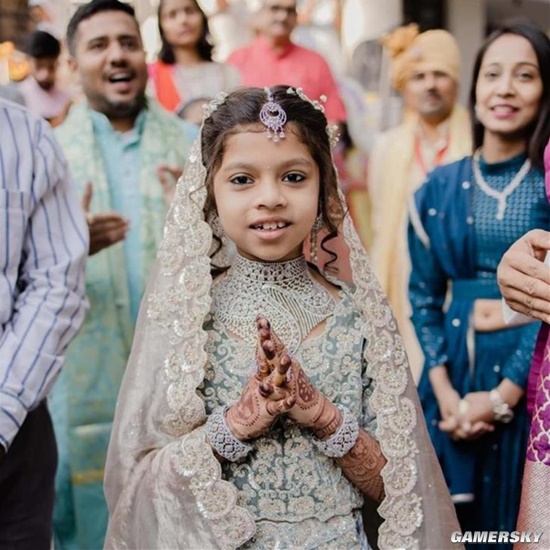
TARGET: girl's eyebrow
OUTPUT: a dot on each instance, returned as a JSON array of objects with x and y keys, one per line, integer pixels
[{"x": 243, "y": 165}]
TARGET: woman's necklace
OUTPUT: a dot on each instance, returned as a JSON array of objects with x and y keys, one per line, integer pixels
[
  {"x": 500, "y": 196},
  {"x": 283, "y": 292}
]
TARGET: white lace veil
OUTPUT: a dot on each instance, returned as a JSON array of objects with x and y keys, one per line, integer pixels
[{"x": 163, "y": 484}]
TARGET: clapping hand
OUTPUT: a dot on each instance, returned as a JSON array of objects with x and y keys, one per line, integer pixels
[{"x": 105, "y": 229}]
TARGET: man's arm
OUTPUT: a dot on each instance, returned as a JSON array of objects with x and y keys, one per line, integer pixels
[
  {"x": 524, "y": 277},
  {"x": 50, "y": 307}
]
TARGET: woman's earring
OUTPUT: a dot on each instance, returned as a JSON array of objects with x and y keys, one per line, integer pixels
[{"x": 313, "y": 237}]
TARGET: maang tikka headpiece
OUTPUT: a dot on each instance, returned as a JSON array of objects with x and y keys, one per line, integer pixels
[{"x": 273, "y": 117}]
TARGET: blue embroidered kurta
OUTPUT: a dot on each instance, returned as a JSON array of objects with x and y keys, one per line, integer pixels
[{"x": 456, "y": 243}]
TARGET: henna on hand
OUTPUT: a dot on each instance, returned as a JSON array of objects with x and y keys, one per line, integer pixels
[
  {"x": 311, "y": 409},
  {"x": 363, "y": 465},
  {"x": 262, "y": 400}
]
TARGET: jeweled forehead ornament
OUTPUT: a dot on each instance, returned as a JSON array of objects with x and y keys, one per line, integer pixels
[{"x": 273, "y": 117}]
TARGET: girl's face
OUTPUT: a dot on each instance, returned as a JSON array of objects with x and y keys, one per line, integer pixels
[
  {"x": 182, "y": 22},
  {"x": 509, "y": 87},
  {"x": 267, "y": 194}
]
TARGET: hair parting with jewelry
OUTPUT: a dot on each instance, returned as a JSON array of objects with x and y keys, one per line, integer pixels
[{"x": 258, "y": 110}]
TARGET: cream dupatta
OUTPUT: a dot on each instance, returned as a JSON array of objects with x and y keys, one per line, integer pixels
[{"x": 163, "y": 484}]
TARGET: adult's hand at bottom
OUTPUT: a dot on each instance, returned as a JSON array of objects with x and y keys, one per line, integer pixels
[{"x": 524, "y": 278}]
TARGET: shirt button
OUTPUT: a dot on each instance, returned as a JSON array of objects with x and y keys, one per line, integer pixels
[
  {"x": 432, "y": 211},
  {"x": 455, "y": 322},
  {"x": 466, "y": 185}
]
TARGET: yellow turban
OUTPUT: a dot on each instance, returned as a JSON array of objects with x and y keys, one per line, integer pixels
[{"x": 435, "y": 50}]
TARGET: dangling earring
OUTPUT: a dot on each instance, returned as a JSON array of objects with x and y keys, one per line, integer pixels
[
  {"x": 313, "y": 237},
  {"x": 216, "y": 225}
]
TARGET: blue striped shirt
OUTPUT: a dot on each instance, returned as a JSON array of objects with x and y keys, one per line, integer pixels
[{"x": 43, "y": 250}]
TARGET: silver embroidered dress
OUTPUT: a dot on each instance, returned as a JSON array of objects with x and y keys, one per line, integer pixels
[{"x": 299, "y": 498}]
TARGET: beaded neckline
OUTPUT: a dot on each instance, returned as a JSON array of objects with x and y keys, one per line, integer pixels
[{"x": 284, "y": 292}]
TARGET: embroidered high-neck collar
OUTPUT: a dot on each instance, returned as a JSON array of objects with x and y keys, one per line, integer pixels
[
  {"x": 284, "y": 292},
  {"x": 271, "y": 272}
]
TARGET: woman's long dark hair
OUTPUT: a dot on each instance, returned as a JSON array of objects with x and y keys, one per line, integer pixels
[
  {"x": 204, "y": 46},
  {"x": 538, "y": 134}
]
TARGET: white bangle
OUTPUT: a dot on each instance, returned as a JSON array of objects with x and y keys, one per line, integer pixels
[
  {"x": 343, "y": 439},
  {"x": 222, "y": 439},
  {"x": 502, "y": 411}
]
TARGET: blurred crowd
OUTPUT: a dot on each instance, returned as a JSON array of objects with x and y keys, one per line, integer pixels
[{"x": 437, "y": 191}]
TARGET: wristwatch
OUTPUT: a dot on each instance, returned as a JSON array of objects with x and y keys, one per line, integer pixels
[{"x": 502, "y": 411}]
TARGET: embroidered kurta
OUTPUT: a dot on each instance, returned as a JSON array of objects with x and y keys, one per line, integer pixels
[
  {"x": 84, "y": 398},
  {"x": 455, "y": 239}
]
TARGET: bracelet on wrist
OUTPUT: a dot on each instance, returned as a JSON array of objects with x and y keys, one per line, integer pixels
[
  {"x": 222, "y": 439},
  {"x": 502, "y": 411},
  {"x": 343, "y": 440}
]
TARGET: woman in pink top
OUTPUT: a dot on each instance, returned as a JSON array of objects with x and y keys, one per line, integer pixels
[{"x": 185, "y": 70}]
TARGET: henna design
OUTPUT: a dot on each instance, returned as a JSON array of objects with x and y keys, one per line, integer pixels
[
  {"x": 311, "y": 409},
  {"x": 363, "y": 464},
  {"x": 261, "y": 400},
  {"x": 328, "y": 422},
  {"x": 244, "y": 417},
  {"x": 306, "y": 392}
]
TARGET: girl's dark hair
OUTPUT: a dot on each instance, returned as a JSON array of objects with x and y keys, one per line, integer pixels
[
  {"x": 538, "y": 133},
  {"x": 204, "y": 45},
  {"x": 242, "y": 109}
]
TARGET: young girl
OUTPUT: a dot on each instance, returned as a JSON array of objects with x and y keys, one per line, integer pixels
[
  {"x": 467, "y": 214},
  {"x": 234, "y": 430}
]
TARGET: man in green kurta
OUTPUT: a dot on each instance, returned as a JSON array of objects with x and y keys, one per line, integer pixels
[{"x": 115, "y": 143}]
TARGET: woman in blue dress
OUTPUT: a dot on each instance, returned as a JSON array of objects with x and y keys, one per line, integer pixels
[{"x": 463, "y": 219}]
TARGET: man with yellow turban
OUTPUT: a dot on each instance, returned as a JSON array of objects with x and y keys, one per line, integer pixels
[{"x": 425, "y": 71}]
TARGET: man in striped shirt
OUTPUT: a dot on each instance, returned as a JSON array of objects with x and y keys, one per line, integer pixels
[{"x": 43, "y": 249}]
